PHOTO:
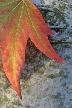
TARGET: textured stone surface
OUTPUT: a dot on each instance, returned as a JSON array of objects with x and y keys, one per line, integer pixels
[{"x": 45, "y": 83}]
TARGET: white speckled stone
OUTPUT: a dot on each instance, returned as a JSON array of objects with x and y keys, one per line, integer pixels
[{"x": 48, "y": 87}]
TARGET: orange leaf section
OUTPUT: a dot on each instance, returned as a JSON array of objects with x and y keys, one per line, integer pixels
[
  {"x": 25, "y": 21},
  {"x": 13, "y": 44},
  {"x": 39, "y": 30}
]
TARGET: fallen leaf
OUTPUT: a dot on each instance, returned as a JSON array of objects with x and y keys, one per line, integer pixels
[{"x": 20, "y": 20}]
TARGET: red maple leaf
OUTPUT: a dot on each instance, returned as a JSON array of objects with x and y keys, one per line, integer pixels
[{"x": 19, "y": 21}]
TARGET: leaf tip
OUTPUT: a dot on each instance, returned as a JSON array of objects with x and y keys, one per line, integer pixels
[
  {"x": 20, "y": 96},
  {"x": 62, "y": 61},
  {"x": 59, "y": 59}
]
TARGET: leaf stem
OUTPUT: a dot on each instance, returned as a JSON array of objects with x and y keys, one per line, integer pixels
[{"x": 15, "y": 7}]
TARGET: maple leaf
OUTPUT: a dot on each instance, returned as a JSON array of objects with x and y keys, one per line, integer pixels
[{"x": 20, "y": 20}]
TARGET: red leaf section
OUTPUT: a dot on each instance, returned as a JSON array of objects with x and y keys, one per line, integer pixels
[
  {"x": 39, "y": 30},
  {"x": 25, "y": 22}
]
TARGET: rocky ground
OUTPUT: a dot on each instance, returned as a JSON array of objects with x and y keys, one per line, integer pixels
[{"x": 45, "y": 83}]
